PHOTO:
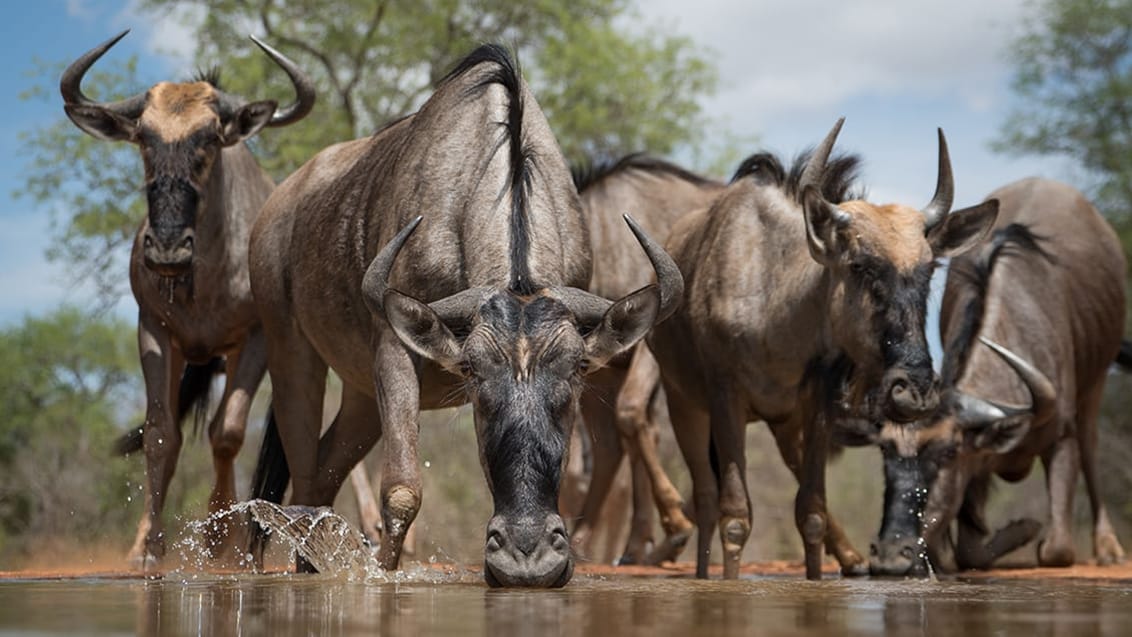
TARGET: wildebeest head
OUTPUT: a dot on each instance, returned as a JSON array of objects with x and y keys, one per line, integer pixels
[
  {"x": 180, "y": 129},
  {"x": 922, "y": 463},
  {"x": 523, "y": 357},
  {"x": 880, "y": 261}
]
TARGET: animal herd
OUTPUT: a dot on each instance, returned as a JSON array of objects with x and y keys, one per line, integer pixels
[{"x": 452, "y": 257}]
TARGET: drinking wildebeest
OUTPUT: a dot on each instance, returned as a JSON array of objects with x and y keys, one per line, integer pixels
[
  {"x": 188, "y": 268},
  {"x": 485, "y": 304},
  {"x": 1048, "y": 287},
  {"x": 795, "y": 291},
  {"x": 656, "y": 193}
]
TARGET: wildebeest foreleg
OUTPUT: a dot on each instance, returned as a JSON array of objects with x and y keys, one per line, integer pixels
[
  {"x": 244, "y": 371},
  {"x": 1106, "y": 547},
  {"x": 398, "y": 406},
  {"x": 728, "y": 432},
  {"x": 640, "y": 390},
  {"x": 788, "y": 437},
  {"x": 810, "y": 514},
  {"x": 162, "y": 365},
  {"x": 606, "y": 453},
  {"x": 1062, "y": 464},
  {"x": 693, "y": 434}
]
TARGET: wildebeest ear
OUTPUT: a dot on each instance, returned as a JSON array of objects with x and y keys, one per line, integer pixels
[
  {"x": 963, "y": 229},
  {"x": 421, "y": 330},
  {"x": 1000, "y": 436},
  {"x": 623, "y": 324},
  {"x": 247, "y": 121},
  {"x": 824, "y": 224},
  {"x": 102, "y": 123}
]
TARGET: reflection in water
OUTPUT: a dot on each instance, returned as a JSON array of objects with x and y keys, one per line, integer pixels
[{"x": 323, "y": 605}]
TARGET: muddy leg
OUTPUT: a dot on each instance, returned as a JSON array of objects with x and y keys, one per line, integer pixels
[
  {"x": 693, "y": 434},
  {"x": 639, "y": 392},
  {"x": 162, "y": 366},
  {"x": 1061, "y": 466}
]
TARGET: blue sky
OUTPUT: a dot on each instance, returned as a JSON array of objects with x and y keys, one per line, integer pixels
[{"x": 895, "y": 70}]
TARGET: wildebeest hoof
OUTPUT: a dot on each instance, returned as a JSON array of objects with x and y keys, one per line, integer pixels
[
  {"x": 145, "y": 563},
  {"x": 1108, "y": 550},
  {"x": 1055, "y": 555},
  {"x": 860, "y": 568},
  {"x": 1015, "y": 534},
  {"x": 668, "y": 549}
]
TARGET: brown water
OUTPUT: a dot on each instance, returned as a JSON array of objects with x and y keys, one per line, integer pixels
[{"x": 589, "y": 605}]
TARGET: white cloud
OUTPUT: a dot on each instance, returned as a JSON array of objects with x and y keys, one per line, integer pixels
[
  {"x": 80, "y": 9},
  {"x": 171, "y": 35}
]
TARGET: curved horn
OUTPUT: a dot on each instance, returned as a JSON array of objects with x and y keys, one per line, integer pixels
[
  {"x": 940, "y": 204},
  {"x": 376, "y": 280},
  {"x": 816, "y": 166},
  {"x": 589, "y": 307},
  {"x": 456, "y": 308},
  {"x": 1043, "y": 396},
  {"x": 668, "y": 276},
  {"x": 304, "y": 88},
  {"x": 70, "y": 85}
]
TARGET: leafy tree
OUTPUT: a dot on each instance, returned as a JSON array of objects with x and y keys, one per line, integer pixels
[
  {"x": 1073, "y": 77},
  {"x": 67, "y": 382},
  {"x": 606, "y": 88}
]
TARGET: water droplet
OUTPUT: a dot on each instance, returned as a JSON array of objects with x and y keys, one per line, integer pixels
[{"x": 427, "y": 464}]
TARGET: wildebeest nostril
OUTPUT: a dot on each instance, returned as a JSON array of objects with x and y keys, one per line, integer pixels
[
  {"x": 558, "y": 540},
  {"x": 494, "y": 541},
  {"x": 908, "y": 552},
  {"x": 187, "y": 243}
]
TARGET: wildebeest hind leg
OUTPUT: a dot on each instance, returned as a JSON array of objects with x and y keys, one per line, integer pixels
[
  {"x": 1106, "y": 547},
  {"x": 352, "y": 434}
]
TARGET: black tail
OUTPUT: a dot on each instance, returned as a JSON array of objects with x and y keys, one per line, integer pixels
[
  {"x": 193, "y": 395},
  {"x": 269, "y": 481},
  {"x": 1124, "y": 356}
]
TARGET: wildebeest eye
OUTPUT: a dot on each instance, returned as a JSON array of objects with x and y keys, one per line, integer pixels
[
  {"x": 583, "y": 365},
  {"x": 466, "y": 368}
]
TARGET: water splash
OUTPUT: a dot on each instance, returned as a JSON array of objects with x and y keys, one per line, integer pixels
[{"x": 323, "y": 538}]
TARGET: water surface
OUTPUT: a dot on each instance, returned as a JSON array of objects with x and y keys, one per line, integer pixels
[{"x": 459, "y": 604}]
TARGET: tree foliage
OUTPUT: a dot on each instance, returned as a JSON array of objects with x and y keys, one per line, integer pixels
[
  {"x": 1073, "y": 78},
  {"x": 67, "y": 381}
]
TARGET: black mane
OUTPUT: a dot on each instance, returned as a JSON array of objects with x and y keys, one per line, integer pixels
[
  {"x": 507, "y": 74},
  {"x": 975, "y": 271},
  {"x": 838, "y": 182},
  {"x": 589, "y": 173},
  {"x": 210, "y": 75}
]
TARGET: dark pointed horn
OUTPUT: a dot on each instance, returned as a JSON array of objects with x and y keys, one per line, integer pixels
[
  {"x": 588, "y": 308},
  {"x": 304, "y": 88},
  {"x": 668, "y": 276},
  {"x": 376, "y": 280},
  {"x": 1043, "y": 395},
  {"x": 974, "y": 412},
  {"x": 457, "y": 308},
  {"x": 816, "y": 166},
  {"x": 70, "y": 85},
  {"x": 940, "y": 204}
]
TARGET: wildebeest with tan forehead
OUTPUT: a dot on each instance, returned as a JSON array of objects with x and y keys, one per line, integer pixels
[
  {"x": 1049, "y": 288},
  {"x": 794, "y": 291},
  {"x": 188, "y": 268},
  {"x": 442, "y": 260}
]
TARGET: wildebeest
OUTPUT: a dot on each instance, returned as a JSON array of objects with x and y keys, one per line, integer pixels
[
  {"x": 1049, "y": 287},
  {"x": 443, "y": 260},
  {"x": 794, "y": 291},
  {"x": 656, "y": 193},
  {"x": 188, "y": 268}
]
